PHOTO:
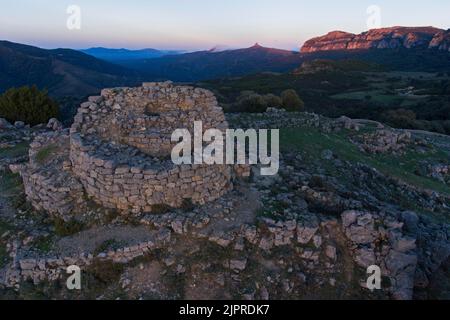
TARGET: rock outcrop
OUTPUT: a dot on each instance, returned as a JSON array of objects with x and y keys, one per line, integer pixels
[{"x": 384, "y": 38}]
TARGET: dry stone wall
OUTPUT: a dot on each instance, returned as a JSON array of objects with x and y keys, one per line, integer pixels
[
  {"x": 48, "y": 181},
  {"x": 117, "y": 178},
  {"x": 117, "y": 152},
  {"x": 121, "y": 144},
  {"x": 145, "y": 117}
]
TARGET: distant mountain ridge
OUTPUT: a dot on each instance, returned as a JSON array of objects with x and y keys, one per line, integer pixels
[
  {"x": 61, "y": 71},
  {"x": 66, "y": 72},
  {"x": 114, "y": 55},
  {"x": 202, "y": 65},
  {"x": 384, "y": 38}
]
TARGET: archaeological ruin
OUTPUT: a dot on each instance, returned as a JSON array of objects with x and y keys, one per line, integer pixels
[{"x": 117, "y": 153}]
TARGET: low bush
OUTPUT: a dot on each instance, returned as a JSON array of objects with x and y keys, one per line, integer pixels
[{"x": 27, "y": 104}]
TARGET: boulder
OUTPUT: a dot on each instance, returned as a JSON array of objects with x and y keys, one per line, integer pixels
[
  {"x": 19, "y": 124},
  {"x": 54, "y": 124},
  {"x": 4, "y": 124}
]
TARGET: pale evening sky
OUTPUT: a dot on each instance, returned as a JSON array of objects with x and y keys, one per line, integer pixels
[{"x": 202, "y": 24}]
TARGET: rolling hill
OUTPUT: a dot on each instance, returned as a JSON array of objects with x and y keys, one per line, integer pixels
[
  {"x": 63, "y": 72},
  {"x": 203, "y": 65},
  {"x": 117, "y": 55}
]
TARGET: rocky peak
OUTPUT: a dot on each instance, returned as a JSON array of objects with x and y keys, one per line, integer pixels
[
  {"x": 441, "y": 41},
  {"x": 383, "y": 38},
  {"x": 335, "y": 40}
]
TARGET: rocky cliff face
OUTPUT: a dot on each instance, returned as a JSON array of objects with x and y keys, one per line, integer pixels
[{"x": 384, "y": 38}]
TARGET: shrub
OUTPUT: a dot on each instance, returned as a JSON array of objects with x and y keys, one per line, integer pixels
[
  {"x": 27, "y": 104},
  {"x": 273, "y": 101},
  {"x": 291, "y": 100},
  {"x": 253, "y": 103}
]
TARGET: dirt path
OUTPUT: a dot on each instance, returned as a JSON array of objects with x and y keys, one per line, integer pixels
[
  {"x": 90, "y": 240},
  {"x": 244, "y": 213}
]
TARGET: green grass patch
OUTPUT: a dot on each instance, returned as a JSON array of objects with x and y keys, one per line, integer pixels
[
  {"x": 4, "y": 227},
  {"x": 43, "y": 155},
  {"x": 67, "y": 228},
  {"x": 19, "y": 150},
  {"x": 106, "y": 271}
]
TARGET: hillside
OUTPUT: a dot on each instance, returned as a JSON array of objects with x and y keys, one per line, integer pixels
[
  {"x": 210, "y": 64},
  {"x": 63, "y": 72},
  {"x": 355, "y": 89},
  {"x": 400, "y": 59}
]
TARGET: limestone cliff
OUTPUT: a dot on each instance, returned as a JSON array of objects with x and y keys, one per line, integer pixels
[{"x": 384, "y": 38}]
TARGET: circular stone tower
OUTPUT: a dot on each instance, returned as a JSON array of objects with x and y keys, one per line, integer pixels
[{"x": 120, "y": 146}]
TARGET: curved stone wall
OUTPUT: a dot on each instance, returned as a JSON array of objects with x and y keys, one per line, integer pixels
[
  {"x": 48, "y": 182},
  {"x": 145, "y": 117},
  {"x": 141, "y": 182}
]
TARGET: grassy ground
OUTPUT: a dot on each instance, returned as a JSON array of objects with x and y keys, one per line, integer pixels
[
  {"x": 21, "y": 149},
  {"x": 380, "y": 97},
  {"x": 310, "y": 142},
  {"x": 43, "y": 155},
  {"x": 10, "y": 191},
  {"x": 10, "y": 186},
  {"x": 4, "y": 258}
]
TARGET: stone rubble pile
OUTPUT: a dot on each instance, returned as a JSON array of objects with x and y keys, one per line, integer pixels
[
  {"x": 385, "y": 141},
  {"x": 440, "y": 172}
]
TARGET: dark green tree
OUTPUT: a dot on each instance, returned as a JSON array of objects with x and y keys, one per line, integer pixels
[
  {"x": 273, "y": 101},
  {"x": 27, "y": 104},
  {"x": 291, "y": 100},
  {"x": 252, "y": 102}
]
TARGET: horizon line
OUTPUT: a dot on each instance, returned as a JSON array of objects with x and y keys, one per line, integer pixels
[{"x": 227, "y": 47}]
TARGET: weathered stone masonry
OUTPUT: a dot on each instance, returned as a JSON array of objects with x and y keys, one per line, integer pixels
[
  {"x": 118, "y": 152},
  {"x": 49, "y": 183}
]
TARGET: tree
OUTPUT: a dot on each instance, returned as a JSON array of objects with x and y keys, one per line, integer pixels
[
  {"x": 402, "y": 118},
  {"x": 273, "y": 101},
  {"x": 252, "y": 102},
  {"x": 291, "y": 100},
  {"x": 27, "y": 104}
]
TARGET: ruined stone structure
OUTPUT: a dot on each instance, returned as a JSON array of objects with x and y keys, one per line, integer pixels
[
  {"x": 48, "y": 181},
  {"x": 118, "y": 153}
]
